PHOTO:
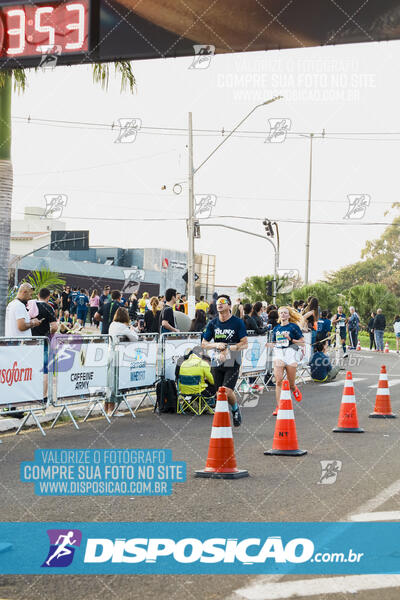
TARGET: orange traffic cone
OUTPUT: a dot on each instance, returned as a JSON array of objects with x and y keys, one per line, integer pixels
[
  {"x": 221, "y": 461},
  {"x": 348, "y": 420},
  {"x": 382, "y": 409},
  {"x": 386, "y": 348},
  {"x": 285, "y": 436},
  {"x": 358, "y": 345}
]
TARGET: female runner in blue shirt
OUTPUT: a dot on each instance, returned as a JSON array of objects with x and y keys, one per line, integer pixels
[{"x": 287, "y": 338}]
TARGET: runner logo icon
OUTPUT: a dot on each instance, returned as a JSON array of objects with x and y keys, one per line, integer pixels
[{"x": 62, "y": 547}]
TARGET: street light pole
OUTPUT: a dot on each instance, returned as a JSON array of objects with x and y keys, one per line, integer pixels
[
  {"x": 308, "y": 215},
  {"x": 190, "y": 226},
  {"x": 190, "y": 221}
]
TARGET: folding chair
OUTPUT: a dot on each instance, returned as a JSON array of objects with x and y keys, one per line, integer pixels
[{"x": 194, "y": 404}]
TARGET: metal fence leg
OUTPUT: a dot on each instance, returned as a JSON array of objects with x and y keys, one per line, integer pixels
[
  {"x": 69, "y": 413},
  {"x": 94, "y": 404},
  {"x": 125, "y": 401},
  {"x": 25, "y": 419}
]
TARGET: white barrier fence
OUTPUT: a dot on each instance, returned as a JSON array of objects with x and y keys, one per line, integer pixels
[{"x": 96, "y": 368}]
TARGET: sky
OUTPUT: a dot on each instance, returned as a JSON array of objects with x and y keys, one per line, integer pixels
[{"x": 350, "y": 92}]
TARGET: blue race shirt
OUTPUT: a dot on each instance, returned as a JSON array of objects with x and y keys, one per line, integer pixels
[
  {"x": 324, "y": 325},
  {"x": 230, "y": 332},
  {"x": 320, "y": 365},
  {"x": 281, "y": 341},
  {"x": 341, "y": 322},
  {"x": 82, "y": 300}
]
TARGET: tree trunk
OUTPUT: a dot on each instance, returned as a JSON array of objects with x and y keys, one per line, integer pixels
[{"x": 6, "y": 186}]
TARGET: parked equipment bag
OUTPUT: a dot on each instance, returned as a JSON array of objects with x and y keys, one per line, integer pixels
[{"x": 166, "y": 396}]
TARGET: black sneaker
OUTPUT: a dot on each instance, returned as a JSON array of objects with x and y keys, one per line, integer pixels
[{"x": 237, "y": 417}]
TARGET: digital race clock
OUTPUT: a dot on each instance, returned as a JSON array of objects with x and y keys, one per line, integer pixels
[{"x": 29, "y": 31}]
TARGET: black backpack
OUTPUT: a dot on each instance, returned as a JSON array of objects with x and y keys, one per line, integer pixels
[{"x": 166, "y": 396}]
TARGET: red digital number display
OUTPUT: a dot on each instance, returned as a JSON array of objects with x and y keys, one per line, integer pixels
[{"x": 35, "y": 29}]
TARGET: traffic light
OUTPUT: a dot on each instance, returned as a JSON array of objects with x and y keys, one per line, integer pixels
[
  {"x": 268, "y": 228},
  {"x": 269, "y": 288}
]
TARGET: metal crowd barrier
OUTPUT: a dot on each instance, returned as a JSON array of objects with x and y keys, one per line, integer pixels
[
  {"x": 172, "y": 347},
  {"x": 135, "y": 369},
  {"x": 256, "y": 362},
  {"x": 22, "y": 377},
  {"x": 82, "y": 367}
]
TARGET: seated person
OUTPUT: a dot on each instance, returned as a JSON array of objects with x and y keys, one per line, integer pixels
[
  {"x": 321, "y": 368},
  {"x": 196, "y": 363}
]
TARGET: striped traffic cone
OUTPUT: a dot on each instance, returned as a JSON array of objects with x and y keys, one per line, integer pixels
[
  {"x": 358, "y": 346},
  {"x": 221, "y": 461},
  {"x": 285, "y": 436},
  {"x": 383, "y": 409},
  {"x": 386, "y": 348},
  {"x": 348, "y": 419}
]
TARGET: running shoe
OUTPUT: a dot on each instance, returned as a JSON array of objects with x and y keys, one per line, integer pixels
[
  {"x": 297, "y": 394},
  {"x": 345, "y": 355},
  {"x": 237, "y": 417}
]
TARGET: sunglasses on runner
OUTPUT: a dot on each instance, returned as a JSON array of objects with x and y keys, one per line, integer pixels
[{"x": 222, "y": 301}]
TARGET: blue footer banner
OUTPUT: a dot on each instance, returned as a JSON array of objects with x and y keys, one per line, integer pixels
[{"x": 208, "y": 548}]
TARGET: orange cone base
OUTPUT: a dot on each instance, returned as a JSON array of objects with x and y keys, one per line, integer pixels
[
  {"x": 348, "y": 430},
  {"x": 285, "y": 452},
  {"x": 376, "y": 415},
  {"x": 211, "y": 474}
]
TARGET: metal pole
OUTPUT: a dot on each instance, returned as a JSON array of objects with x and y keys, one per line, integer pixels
[
  {"x": 190, "y": 228},
  {"x": 276, "y": 263},
  {"x": 308, "y": 215}
]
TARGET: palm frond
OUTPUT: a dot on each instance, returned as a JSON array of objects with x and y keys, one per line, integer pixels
[
  {"x": 101, "y": 74},
  {"x": 45, "y": 279}
]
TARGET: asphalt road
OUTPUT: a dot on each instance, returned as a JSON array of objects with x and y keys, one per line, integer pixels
[{"x": 278, "y": 489}]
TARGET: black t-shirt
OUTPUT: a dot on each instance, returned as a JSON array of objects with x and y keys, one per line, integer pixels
[
  {"x": 66, "y": 300},
  {"x": 151, "y": 321},
  {"x": 167, "y": 314},
  {"x": 46, "y": 313},
  {"x": 107, "y": 311}
]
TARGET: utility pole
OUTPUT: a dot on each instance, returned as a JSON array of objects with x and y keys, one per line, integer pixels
[
  {"x": 190, "y": 220},
  {"x": 190, "y": 227},
  {"x": 308, "y": 216}
]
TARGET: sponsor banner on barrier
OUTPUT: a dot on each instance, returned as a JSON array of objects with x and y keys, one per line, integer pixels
[
  {"x": 81, "y": 366},
  {"x": 21, "y": 373},
  {"x": 103, "y": 472},
  {"x": 199, "y": 548},
  {"x": 173, "y": 349},
  {"x": 255, "y": 357},
  {"x": 137, "y": 362}
]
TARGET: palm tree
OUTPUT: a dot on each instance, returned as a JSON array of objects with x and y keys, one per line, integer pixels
[{"x": 101, "y": 74}]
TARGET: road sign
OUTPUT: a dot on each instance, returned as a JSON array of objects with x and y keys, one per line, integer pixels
[{"x": 185, "y": 277}]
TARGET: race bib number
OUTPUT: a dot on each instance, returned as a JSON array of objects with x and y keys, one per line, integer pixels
[{"x": 281, "y": 341}]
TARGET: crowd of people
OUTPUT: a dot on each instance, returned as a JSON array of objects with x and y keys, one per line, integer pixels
[{"x": 224, "y": 327}]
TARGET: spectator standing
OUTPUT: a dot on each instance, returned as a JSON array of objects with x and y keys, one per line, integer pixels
[
  {"x": 152, "y": 317},
  {"x": 353, "y": 327},
  {"x": 105, "y": 296},
  {"x": 18, "y": 322},
  {"x": 185, "y": 304},
  {"x": 396, "y": 327},
  {"x": 202, "y": 305},
  {"x": 47, "y": 327},
  {"x": 311, "y": 315},
  {"x": 143, "y": 303},
  {"x": 106, "y": 312},
  {"x": 200, "y": 320},
  {"x": 339, "y": 320},
  {"x": 248, "y": 319},
  {"x": 370, "y": 329},
  {"x": 261, "y": 327},
  {"x": 66, "y": 299},
  {"x": 94, "y": 304},
  {"x": 167, "y": 317},
  {"x": 82, "y": 306},
  {"x": 212, "y": 309},
  {"x": 273, "y": 317},
  {"x": 379, "y": 329},
  {"x": 120, "y": 325},
  {"x": 324, "y": 327},
  {"x": 179, "y": 305},
  {"x": 133, "y": 307},
  {"x": 238, "y": 309},
  {"x": 264, "y": 314},
  {"x": 74, "y": 295}
]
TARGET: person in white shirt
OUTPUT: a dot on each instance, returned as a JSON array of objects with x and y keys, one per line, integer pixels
[
  {"x": 18, "y": 321},
  {"x": 396, "y": 327},
  {"x": 120, "y": 325}
]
